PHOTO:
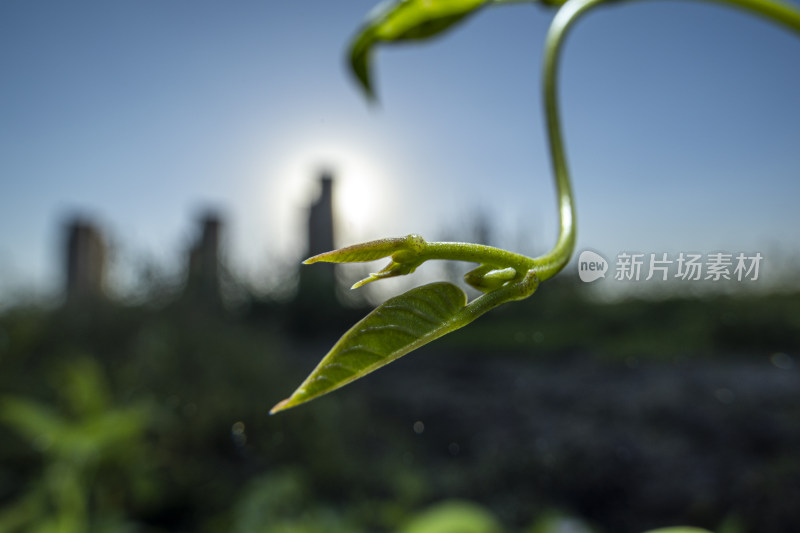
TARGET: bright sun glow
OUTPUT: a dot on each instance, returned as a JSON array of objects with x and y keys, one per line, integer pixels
[
  {"x": 357, "y": 195},
  {"x": 361, "y": 195}
]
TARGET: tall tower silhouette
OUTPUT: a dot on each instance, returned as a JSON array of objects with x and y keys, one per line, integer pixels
[
  {"x": 85, "y": 260},
  {"x": 203, "y": 281},
  {"x": 320, "y": 218},
  {"x": 317, "y": 283}
]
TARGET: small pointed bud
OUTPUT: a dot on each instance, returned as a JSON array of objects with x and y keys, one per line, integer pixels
[
  {"x": 487, "y": 278},
  {"x": 370, "y": 251}
]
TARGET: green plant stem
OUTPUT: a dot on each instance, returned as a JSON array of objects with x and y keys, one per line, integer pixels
[
  {"x": 478, "y": 253},
  {"x": 518, "y": 290},
  {"x": 552, "y": 262},
  {"x": 421, "y": 315},
  {"x": 781, "y": 13},
  {"x": 411, "y": 251}
]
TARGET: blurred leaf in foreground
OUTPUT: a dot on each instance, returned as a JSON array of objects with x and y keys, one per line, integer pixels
[
  {"x": 88, "y": 454},
  {"x": 454, "y": 516},
  {"x": 405, "y": 20},
  {"x": 679, "y": 530}
]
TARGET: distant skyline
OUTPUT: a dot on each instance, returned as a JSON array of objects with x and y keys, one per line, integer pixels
[{"x": 682, "y": 121}]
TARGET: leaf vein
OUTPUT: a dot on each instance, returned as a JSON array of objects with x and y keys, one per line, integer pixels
[
  {"x": 363, "y": 349},
  {"x": 392, "y": 327},
  {"x": 414, "y": 311}
]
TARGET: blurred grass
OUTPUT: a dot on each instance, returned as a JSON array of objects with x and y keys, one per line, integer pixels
[
  {"x": 629, "y": 415},
  {"x": 559, "y": 319}
]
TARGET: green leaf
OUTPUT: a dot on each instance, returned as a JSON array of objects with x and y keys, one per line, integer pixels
[
  {"x": 32, "y": 420},
  {"x": 398, "y": 326},
  {"x": 453, "y": 516},
  {"x": 404, "y": 20},
  {"x": 679, "y": 530}
]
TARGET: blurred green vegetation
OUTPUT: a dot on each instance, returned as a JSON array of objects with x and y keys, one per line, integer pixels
[
  {"x": 560, "y": 319},
  {"x": 94, "y": 457},
  {"x": 556, "y": 414}
]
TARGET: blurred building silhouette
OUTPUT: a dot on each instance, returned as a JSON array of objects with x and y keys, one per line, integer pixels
[
  {"x": 85, "y": 260},
  {"x": 203, "y": 280},
  {"x": 317, "y": 284},
  {"x": 320, "y": 218},
  {"x": 86, "y": 256}
]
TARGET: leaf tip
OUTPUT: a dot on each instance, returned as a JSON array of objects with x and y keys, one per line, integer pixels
[
  {"x": 359, "y": 62},
  {"x": 319, "y": 257},
  {"x": 280, "y": 406},
  {"x": 361, "y": 283},
  {"x": 372, "y": 99},
  {"x": 368, "y": 91}
]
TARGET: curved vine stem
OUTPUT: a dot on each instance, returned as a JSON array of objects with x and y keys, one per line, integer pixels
[
  {"x": 409, "y": 252},
  {"x": 552, "y": 262},
  {"x": 421, "y": 315}
]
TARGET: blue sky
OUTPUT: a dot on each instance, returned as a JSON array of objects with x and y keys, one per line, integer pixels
[{"x": 682, "y": 121}]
